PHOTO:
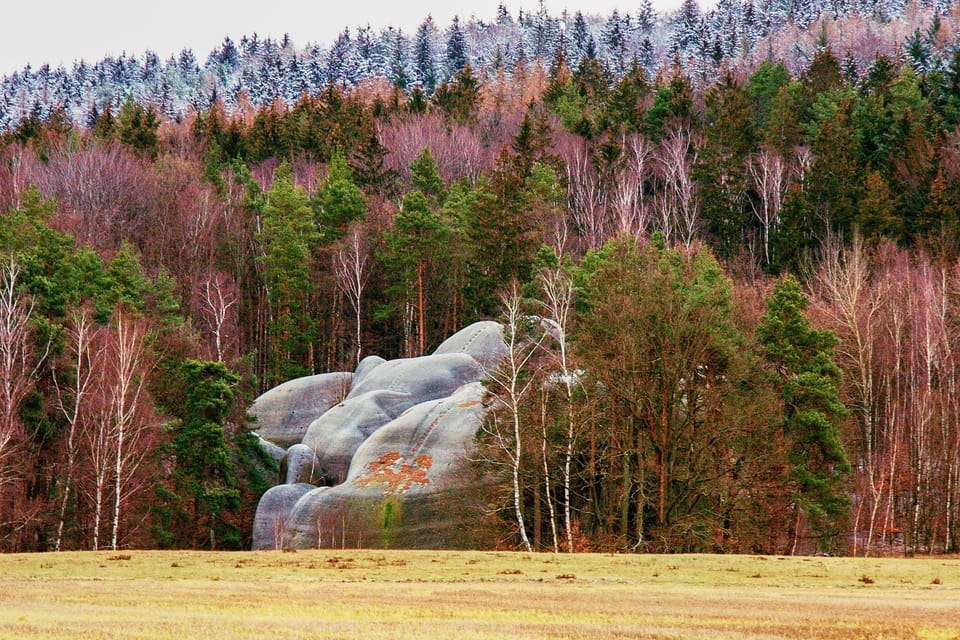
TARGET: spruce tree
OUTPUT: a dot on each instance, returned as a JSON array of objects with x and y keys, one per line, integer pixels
[
  {"x": 423, "y": 56},
  {"x": 456, "y": 48},
  {"x": 203, "y": 472}
]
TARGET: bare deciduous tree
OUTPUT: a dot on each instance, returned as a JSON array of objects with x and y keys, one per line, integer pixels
[
  {"x": 84, "y": 346},
  {"x": 129, "y": 426},
  {"x": 217, "y": 301},
  {"x": 351, "y": 268},
  {"x": 558, "y": 291},
  {"x": 770, "y": 179},
  {"x": 586, "y": 198},
  {"x": 679, "y": 217},
  {"x": 18, "y": 369},
  {"x": 116, "y": 439},
  {"x": 629, "y": 200},
  {"x": 512, "y": 382},
  {"x": 457, "y": 149},
  {"x": 102, "y": 191}
]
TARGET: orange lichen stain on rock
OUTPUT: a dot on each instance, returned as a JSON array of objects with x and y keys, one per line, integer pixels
[
  {"x": 468, "y": 404},
  {"x": 391, "y": 470}
]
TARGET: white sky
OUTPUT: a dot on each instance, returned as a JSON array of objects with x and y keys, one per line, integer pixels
[{"x": 63, "y": 31}]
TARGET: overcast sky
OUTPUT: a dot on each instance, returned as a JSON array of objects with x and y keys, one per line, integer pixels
[{"x": 62, "y": 31}]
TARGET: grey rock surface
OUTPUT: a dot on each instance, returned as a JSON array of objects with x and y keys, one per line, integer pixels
[
  {"x": 269, "y": 523},
  {"x": 380, "y": 396},
  {"x": 301, "y": 465},
  {"x": 285, "y": 412},
  {"x": 483, "y": 341},
  {"x": 366, "y": 365},
  {"x": 398, "y": 475},
  {"x": 275, "y": 452},
  {"x": 394, "y": 450}
]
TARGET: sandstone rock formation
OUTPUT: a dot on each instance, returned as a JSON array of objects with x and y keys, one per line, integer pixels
[{"x": 374, "y": 464}]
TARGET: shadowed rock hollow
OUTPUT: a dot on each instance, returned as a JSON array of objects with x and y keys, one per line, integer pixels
[{"x": 370, "y": 456}]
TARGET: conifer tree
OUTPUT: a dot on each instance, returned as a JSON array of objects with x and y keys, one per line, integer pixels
[
  {"x": 802, "y": 358},
  {"x": 289, "y": 238},
  {"x": 425, "y": 177},
  {"x": 456, "y": 48},
  {"x": 204, "y": 472},
  {"x": 339, "y": 201},
  {"x": 423, "y": 56}
]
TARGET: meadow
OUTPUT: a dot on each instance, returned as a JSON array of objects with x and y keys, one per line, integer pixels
[{"x": 473, "y": 595}]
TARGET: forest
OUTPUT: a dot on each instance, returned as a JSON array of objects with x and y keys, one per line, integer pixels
[{"x": 748, "y": 270}]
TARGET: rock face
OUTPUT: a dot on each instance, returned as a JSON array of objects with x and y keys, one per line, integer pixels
[
  {"x": 284, "y": 412},
  {"x": 373, "y": 468}
]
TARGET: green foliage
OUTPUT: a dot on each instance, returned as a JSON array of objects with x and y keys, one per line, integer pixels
[
  {"x": 764, "y": 86},
  {"x": 367, "y": 160},
  {"x": 624, "y": 108},
  {"x": 459, "y": 97},
  {"x": 729, "y": 139},
  {"x": 656, "y": 331},
  {"x": 500, "y": 234},
  {"x": 803, "y": 360},
  {"x": 425, "y": 177},
  {"x": 203, "y": 472},
  {"x": 289, "y": 239},
  {"x": 836, "y": 175},
  {"x": 672, "y": 106},
  {"x": 340, "y": 202},
  {"x": 137, "y": 127},
  {"x": 416, "y": 264}
]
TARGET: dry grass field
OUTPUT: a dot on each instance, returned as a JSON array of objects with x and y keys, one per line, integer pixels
[{"x": 467, "y": 595}]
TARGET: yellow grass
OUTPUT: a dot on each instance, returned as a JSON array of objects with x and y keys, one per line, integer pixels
[{"x": 467, "y": 595}]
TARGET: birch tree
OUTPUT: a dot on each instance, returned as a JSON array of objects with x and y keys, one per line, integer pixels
[
  {"x": 770, "y": 177},
  {"x": 84, "y": 348},
  {"x": 511, "y": 384},
  {"x": 351, "y": 267},
  {"x": 679, "y": 205},
  {"x": 218, "y": 301},
  {"x": 558, "y": 292},
  {"x": 19, "y": 366},
  {"x": 130, "y": 427}
]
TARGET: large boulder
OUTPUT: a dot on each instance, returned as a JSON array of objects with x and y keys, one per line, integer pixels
[
  {"x": 392, "y": 449},
  {"x": 285, "y": 412},
  {"x": 483, "y": 341},
  {"x": 269, "y": 522},
  {"x": 380, "y": 396},
  {"x": 300, "y": 465},
  {"x": 398, "y": 480}
]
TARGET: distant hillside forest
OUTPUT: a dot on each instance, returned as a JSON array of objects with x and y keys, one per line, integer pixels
[{"x": 740, "y": 226}]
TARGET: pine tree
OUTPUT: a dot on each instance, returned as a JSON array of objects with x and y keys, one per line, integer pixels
[
  {"x": 646, "y": 17},
  {"x": 340, "y": 202},
  {"x": 414, "y": 254},
  {"x": 459, "y": 97},
  {"x": 425, "y": 178},
  {"x": 581, "y": 36},
  {"x": 802, "y": 358},
  {"x": 398, "y": 66},
  {"x": 289, "y": 239},
  {"x": 542, "y": 34},
  {"x": 137, "y": 127},
  {"x": 686, "y": 28}
]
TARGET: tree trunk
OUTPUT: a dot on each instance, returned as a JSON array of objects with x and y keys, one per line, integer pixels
[{"x": 420, "y": 310}]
